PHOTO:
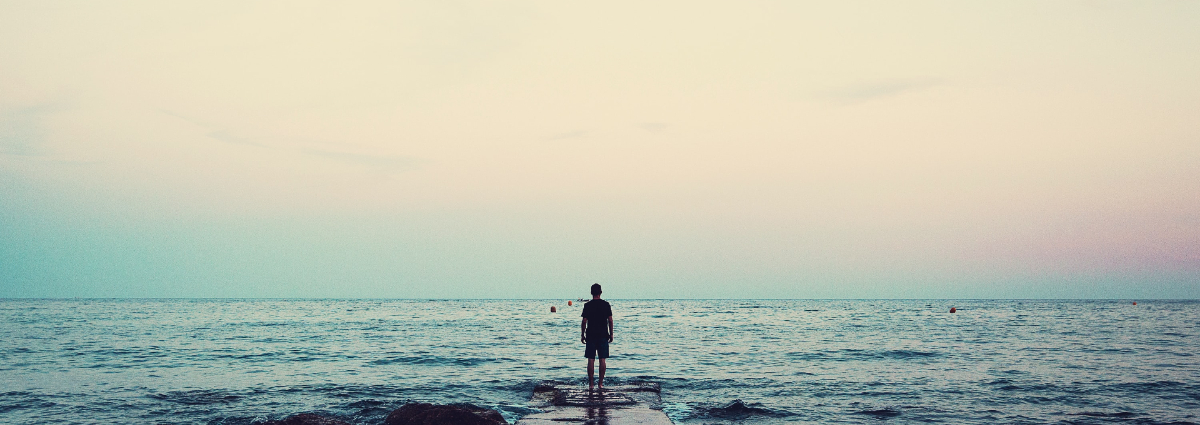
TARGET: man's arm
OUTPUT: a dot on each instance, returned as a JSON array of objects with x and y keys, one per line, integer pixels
[
  {"x": 583, "y": 331},
  {"x": 610, "y": 328}
]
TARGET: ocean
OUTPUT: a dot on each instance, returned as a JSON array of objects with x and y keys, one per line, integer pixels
[{"x": 202, "y": 361}]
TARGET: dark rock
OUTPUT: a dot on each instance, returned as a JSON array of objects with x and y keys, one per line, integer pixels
[
  {"x": 738, "y": 410},
  {"x": 435, "y": 414},
  {"x": 308, "y": 419}
]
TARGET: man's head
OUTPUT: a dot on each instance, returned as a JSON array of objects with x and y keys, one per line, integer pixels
[{"x": 596, "y": 290}]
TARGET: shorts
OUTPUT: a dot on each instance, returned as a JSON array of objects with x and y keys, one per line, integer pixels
[{"x": 596, "y": 346}]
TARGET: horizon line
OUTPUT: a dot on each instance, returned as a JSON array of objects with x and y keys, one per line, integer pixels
[{"x": 551, "y": 299}]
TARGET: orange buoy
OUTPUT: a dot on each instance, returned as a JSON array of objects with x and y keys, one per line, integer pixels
[
  {"x": 569, "y": 303},
  {"x": 952, "y": 309},
  {"x": 553, "y": 309},
  {"x": 1135, "y": 303}
]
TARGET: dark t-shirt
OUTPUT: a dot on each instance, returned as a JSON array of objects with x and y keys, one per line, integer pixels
[{"x": 597, "y": 313}]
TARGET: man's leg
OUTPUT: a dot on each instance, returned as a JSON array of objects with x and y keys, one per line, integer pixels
[
  {"x": 602, "y": 367},
  {"x": 591, "y": 366}
]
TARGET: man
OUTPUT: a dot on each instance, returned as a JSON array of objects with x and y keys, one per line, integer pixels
[{"x": 595, "y": 335}]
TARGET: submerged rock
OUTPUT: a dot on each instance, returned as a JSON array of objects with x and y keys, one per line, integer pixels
[
  {"x": 308, "y": 419},
  {"x": 738, "y": 410},
  {"x": 436, "y": 414}
]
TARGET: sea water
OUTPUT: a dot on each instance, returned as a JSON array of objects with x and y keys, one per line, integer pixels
[{"x": 719, "y": 361}]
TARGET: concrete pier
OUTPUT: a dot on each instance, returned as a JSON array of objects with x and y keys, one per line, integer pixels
[{"x": 638, "y": 403}]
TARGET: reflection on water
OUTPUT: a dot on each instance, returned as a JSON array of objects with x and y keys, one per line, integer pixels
[{"x": 597, "y": 415}]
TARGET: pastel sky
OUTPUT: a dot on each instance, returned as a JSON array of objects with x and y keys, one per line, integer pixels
[{"x": 526, "y": 149}]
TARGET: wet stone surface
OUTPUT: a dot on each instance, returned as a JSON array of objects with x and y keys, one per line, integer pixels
[{"x": 638, "y": 403}]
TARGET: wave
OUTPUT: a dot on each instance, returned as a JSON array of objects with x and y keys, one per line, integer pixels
[
  {"x": 1121, "y": 415},
  {"x": 853, "y": 355},
  {"x": 438, "y": 361},
  {"x": 880, "y": 413},
  {"x": 197, "y": 397},
  {"x": 18, "y": 400},
  {"x": 737, "y": 410}
]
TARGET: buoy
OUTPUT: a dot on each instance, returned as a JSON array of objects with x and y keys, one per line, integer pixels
[
  {"x": 1135, "y": 303},
  {"x": 952, "y": 309},
  {"x": 569, "y": 303},
  {"x": 553, "y": 309}
]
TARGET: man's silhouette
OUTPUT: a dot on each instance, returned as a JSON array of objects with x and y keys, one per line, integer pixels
[{"x": 596, "y": 336}]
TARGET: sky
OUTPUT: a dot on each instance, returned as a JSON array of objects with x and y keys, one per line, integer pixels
[{"x": 674, "y": 149}]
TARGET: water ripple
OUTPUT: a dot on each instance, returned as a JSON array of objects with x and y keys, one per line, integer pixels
[{"x": 719, "y": 361}]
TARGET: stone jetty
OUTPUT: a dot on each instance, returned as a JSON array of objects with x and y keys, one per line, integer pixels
[{"x": 562, "y": 404}]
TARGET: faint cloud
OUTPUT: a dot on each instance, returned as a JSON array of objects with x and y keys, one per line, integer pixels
[
  {"x": 393, "y": 163},
  {"x": 224, "y": 136},
  {"x": 216, "y": 132},
  {"x": 185, "y": 118},
  {"x": 653, "y": 127},
  {"x": 23, "y": 135},
  {"x": 389, "y": 163},
  {"x": 571, "y": 135},
  {"x": 859, "y": 93},
  {"x": 21, "y": 132}
]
